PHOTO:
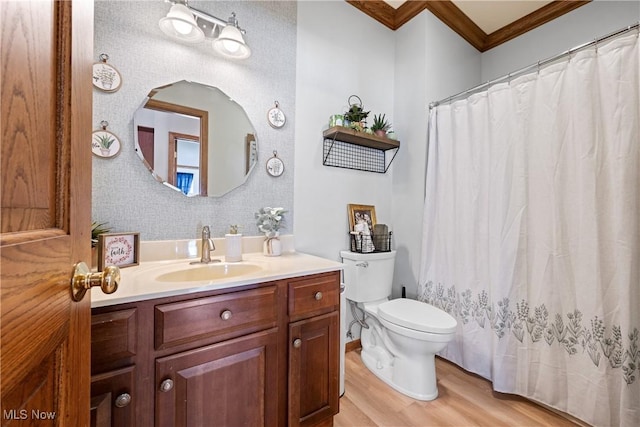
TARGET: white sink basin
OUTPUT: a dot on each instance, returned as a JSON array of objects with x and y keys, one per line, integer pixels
[{"x": 208, "y": 272}]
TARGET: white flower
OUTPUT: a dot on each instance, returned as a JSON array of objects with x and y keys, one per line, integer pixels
[{"x": 269, "y": 220}]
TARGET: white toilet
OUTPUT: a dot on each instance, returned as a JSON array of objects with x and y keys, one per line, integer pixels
[{"x": 403, "y": 335}]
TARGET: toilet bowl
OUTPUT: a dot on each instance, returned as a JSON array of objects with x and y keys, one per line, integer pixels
[
  {"x": 402, "y": 356},
  {"x": 402, "y": 335}
]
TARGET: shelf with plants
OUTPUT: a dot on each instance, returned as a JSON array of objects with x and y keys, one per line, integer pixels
[{"x": 352, "y": 149}]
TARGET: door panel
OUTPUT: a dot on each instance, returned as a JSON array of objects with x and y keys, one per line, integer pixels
[
  {"x": 313, "y": 370},
  {"x": 45, "y": 208},
  {"x": 106, "y": 390},
  {"x": 231, "y": 383}
]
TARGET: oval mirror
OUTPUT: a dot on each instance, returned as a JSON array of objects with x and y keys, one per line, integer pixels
[{"x": 195, "y": 139}]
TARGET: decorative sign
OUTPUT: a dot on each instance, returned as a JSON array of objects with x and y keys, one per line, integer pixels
[
  {"x": 276, "y": 116},
  {"x": 119, "y": 249},
  {"x": 105, "y": 144},
  {"x": 105, "y": 76},
  {"x": 275, "y": 167}
]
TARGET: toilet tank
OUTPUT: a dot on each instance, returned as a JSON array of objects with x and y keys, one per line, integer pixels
[{"x": 368, "y": 277}]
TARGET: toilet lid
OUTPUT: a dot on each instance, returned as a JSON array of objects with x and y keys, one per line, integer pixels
[{"x": 417, "y": 315}]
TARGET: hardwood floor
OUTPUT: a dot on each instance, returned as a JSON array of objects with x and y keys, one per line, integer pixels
[{"x": 464, "y": 400}]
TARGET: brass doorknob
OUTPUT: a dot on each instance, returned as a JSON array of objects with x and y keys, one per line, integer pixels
[{"x": 83, "y": 279}]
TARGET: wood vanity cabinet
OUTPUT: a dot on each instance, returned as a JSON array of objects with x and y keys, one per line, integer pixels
[{"x": 256, "y": 355}]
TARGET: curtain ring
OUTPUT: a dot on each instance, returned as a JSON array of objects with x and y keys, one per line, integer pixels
[
  {"x": 538, "y": 67},
  {"x": 596, "y": 43}
]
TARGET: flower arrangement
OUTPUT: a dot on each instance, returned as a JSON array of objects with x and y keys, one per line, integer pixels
[{"x": 269, "y": 220}]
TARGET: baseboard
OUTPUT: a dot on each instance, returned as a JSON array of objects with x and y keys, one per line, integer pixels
[{"x": 353, "y": 345}]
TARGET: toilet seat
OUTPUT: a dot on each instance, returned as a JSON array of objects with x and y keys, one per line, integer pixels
[{"x": 417, "y": 315}]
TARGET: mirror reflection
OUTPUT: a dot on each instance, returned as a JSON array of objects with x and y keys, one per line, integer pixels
[{"x": 195, "y": 139}]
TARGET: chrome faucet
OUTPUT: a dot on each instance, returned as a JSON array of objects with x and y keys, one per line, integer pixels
[{"x": 207, "y": 247}]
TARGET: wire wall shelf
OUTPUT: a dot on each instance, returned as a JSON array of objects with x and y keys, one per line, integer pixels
[{"x": 346, "y": 148}]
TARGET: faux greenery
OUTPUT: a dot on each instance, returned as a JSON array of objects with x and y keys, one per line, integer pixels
[
  {"x": 96, "y": 229},
  {"x": 356, "y": 114},
  {"x": 380, "y": 123},
  {"x": 233, "y": 229},
  {"x": 105, "y": 141},
  {"x": 269, "y": 220}
]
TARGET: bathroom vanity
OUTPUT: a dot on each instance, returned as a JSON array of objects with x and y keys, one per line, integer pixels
[{"x": 253, "y": 346}]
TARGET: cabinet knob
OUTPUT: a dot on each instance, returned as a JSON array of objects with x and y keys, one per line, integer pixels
[
  {"x": 166, "y": 385},
  {"x": 226, "y": 315},
  {"x": 123, "y": 400},
  {"x": 318, "y": 296},
  {"x": 297, "y": 343}
]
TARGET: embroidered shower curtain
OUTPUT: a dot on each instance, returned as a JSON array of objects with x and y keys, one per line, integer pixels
[{"x": 532, "y": 233}]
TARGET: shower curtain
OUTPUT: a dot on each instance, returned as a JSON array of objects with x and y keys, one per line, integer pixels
[{"x": 531, "y": 233}]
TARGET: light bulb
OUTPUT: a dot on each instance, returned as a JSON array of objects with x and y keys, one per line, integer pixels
[
  {"x": 231, "y": 46},
  {"x": 182, "y": 27}
]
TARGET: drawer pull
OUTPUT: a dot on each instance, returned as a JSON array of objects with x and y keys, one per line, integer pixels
[
  {"x": 297, "y": 343},
  {"x": 166, "y": 385},
  {"x": 123, "y": 400},
  {"x": 226, "y": 315},
  {"x": 318, "y": 296}
]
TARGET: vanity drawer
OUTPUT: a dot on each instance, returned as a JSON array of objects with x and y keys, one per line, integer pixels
[
  {"x": 113, "y": 338},
  {"x": 215, "y": 318},
  {"x": 314, "y": 295}
]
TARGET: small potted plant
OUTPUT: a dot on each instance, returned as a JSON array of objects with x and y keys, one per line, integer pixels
[
  {"x": 269, "y": 221},
  {"x": 97, "y": 228},
  {"x": 380, "y": 125},
  {"x": 356, "y": 117},
  {"x": 233, "y": 240}
]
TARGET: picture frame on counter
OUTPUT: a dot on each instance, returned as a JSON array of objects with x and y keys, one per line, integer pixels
[{"x": 119, "y": 249}]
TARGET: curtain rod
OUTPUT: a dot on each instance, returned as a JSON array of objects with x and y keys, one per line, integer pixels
[{"x": 538, "y": 64}]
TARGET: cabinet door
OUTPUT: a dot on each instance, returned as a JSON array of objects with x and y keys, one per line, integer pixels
[
  {"x": 232, "y": 383},
  {"x": 313, "y": 370},
  {"x": 112, "y": 402}
]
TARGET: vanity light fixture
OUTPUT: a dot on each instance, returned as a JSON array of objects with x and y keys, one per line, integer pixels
[
  {"x": 188, "y": 24},
  {"x": 230, "y": 41},
  {"x": 181, "y": 24}
]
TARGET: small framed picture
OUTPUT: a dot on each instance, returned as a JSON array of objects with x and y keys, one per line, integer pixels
[
  {"x": 106, "y": 77},
  {"x": 119, "y": 249},
  {"x": 362, "y": 218},
  {"x": 105, "y": 144}
]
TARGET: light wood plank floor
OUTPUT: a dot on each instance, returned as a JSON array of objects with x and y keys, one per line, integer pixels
[{"x": 464, "y": 400}]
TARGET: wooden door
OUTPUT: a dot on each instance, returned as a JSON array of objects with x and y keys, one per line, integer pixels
[
  {"x": 313, "y": 370},
  {"x": 46, "y": 98},
  {"x": 232, "y": 383}
]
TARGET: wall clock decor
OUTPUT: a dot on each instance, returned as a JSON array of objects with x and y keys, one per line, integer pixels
[
  {"x": 276, "y": 117},
  {"x": 105, "y": 144},
  {"x": 275, "y": 166},
  {"x": 105, "y": 76}
]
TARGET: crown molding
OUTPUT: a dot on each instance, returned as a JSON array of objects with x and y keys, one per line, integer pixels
[{"x": 454, "y": 18}]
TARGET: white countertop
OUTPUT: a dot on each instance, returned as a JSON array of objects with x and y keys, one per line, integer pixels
[{"x": 138, "y": 283}]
